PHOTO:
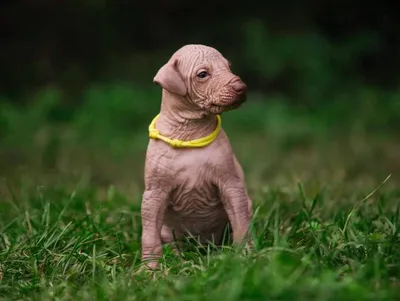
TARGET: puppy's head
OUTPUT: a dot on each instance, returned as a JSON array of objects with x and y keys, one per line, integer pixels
[{"x": 202, "y": 75}]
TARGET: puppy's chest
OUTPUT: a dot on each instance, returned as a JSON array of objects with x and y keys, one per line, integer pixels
[
  {"x": 195, "y": 191},
  {"x": 193, "y": 176}
]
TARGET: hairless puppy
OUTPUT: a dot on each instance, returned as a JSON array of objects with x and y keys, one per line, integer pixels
[{"x": 193, "y": 182}]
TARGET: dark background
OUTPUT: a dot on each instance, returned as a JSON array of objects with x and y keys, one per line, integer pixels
[{"x": 73, "y": 43}]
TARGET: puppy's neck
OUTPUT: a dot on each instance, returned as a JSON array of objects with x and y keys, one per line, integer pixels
[{"x": 180, "y": 119}]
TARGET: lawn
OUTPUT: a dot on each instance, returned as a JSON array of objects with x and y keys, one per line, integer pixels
[{"x": 326, "y": 205}]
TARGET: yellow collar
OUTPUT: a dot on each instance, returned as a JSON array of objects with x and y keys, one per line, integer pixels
[{"x": 155, "y": 134}]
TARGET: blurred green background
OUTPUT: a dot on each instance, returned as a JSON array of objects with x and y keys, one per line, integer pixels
[{"x": 77, "y": 92}]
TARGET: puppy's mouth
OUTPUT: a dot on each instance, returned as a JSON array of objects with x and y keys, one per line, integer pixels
[
  {"x": 233, "y": 103},
  {"x": 219, "y": 108}
]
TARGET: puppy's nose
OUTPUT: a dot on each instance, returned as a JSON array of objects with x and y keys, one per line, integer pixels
[{"x": 239, "y": 87}]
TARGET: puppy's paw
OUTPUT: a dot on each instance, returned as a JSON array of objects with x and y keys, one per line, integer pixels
[
  {"x": 245, "y": 247},
  {"x": 248, "y": 248},
  {"x": 148, "y": 266}
]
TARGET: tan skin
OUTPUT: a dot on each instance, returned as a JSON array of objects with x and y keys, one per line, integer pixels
[{"x": 193, "y": 191}]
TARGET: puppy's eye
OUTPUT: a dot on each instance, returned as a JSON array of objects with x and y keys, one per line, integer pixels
[{"x": 202, "y": 74}]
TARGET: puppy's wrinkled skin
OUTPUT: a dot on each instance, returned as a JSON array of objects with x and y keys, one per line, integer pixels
[{"x": 194, "y": 191}]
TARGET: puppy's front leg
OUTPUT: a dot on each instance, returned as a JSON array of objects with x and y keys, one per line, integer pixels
[
  {"x": 236, "y": 203},
  {"x": 154, "y": 203}
]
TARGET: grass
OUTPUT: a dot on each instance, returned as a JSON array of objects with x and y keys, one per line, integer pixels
[{"x": 326, "y": 224}]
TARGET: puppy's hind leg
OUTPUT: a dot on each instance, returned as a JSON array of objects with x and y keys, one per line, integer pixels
[{"x": 171, "y": 238}]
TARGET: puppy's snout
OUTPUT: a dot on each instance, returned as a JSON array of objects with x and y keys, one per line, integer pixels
[{"x": 239, "y": 87}]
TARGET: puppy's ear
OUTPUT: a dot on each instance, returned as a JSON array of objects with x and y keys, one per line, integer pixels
[{"x": 169, "y": 78}]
